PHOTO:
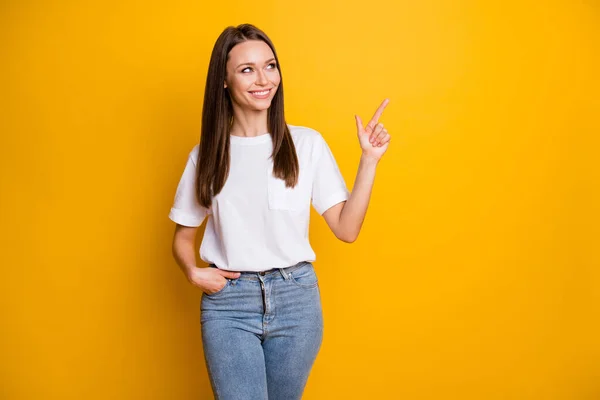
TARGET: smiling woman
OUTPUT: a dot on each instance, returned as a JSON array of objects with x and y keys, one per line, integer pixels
[
  {"x": 255, "y": 73},
  {"x": 255, "y": 177}
]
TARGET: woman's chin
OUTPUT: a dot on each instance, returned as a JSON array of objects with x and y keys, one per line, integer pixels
[{"x": 263, "y": 105}]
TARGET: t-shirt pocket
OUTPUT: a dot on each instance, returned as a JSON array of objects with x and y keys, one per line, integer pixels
[{"x": 286, "y": 198}]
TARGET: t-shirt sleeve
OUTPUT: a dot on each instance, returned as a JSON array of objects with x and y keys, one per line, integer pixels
[
  {"x": 329, "y": 187},
  {"x": 185, "y": 209}
]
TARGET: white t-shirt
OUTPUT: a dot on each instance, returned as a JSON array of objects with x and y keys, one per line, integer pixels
[{"x": 256, "y": 223}]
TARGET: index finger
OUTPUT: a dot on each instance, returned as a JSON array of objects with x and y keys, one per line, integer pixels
[{"x": 377, "y": 114}]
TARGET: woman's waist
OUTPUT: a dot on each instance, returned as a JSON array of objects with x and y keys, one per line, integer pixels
[{"x": 269, "y": 271}]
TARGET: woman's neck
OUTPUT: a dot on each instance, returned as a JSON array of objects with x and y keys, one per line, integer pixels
[{"x": 249, "y": 123}]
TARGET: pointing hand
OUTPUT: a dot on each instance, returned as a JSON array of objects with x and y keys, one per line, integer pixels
[{"x": 374, "y": 138}]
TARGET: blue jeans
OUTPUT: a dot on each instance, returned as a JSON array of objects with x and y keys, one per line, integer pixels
[{"x": 261, "y": 333}]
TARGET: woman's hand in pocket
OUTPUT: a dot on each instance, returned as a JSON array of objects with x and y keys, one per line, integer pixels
[{"x": 209, "y": 279}]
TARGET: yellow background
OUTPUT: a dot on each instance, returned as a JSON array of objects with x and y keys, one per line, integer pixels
[{"x": 476, "y": 274}]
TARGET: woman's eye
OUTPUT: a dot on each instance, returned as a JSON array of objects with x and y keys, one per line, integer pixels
[{"x": 274, "y": 65}]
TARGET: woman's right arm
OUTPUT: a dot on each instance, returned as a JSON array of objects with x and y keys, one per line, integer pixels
[
  {"x": 210, "y": 280},
  {"x": 184, "y": 250}
]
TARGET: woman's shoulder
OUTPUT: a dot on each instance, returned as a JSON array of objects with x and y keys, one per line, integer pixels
[
  {"x": 305, "y": 134},
  {"x": 193, "y": 155}
]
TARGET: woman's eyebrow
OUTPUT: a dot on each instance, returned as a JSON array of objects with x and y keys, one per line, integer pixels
[{"x": 251, "y": 63}]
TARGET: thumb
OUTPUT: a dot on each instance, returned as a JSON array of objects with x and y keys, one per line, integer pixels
[
  {"x": 230, "y": 274},
  {"x": 359, "y": 124}
]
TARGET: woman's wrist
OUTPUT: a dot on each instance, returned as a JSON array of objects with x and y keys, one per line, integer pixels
[
  {"x": 188, "y": 269},
  {"x": 369, "y": 160}
]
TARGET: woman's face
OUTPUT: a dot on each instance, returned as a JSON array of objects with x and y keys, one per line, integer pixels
[{"x": 252, "y": 75}]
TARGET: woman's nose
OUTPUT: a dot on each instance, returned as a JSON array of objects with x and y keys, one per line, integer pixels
[{"x": 261, "y": 78}]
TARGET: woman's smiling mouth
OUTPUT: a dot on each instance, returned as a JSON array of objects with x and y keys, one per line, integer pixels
[{"x": 261, "y": 94}]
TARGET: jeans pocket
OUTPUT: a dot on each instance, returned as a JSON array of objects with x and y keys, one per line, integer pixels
[
  {"x": 305, "y": 276},
  {"x": 218, "y": 292}
]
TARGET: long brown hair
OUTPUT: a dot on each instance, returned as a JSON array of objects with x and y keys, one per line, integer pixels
[{"x": 217, "y": 113}]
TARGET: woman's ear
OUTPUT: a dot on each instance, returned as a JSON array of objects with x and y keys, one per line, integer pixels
[{"x": 224, "y": 85}]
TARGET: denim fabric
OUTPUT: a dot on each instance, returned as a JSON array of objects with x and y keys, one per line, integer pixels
[{"x": 261, "y": 333}]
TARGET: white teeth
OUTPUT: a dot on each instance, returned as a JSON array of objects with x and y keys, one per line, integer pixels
[{"x": 261, "y": 93}]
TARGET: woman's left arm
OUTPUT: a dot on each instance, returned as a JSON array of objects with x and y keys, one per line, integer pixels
[{"x": 345, "y": 219}]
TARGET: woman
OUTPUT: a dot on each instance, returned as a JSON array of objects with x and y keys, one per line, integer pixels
[{"x": 255, "y": 177}]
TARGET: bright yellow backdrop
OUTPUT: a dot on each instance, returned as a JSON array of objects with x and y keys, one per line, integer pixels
[{"x": 476, "y": 275}]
